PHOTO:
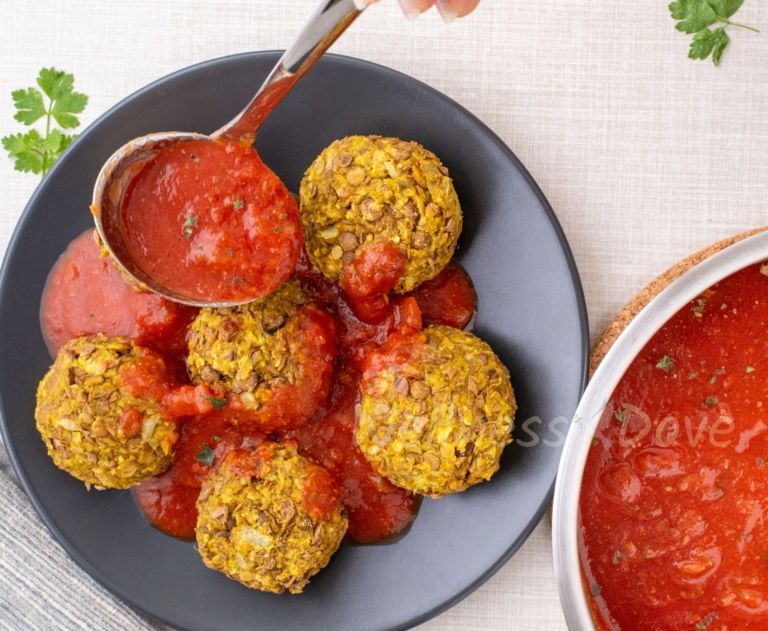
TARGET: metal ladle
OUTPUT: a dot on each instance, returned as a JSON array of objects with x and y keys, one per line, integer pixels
[{"x": 329, "y": 21}]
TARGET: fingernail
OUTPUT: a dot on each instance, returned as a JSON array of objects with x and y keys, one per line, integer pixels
[
  {"x": 361, "y": 4},
  {"x": 446, "y": 10},
  {"x": 410, "y": 8}
]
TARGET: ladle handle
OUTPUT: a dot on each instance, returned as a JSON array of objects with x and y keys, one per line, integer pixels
[{"x": 329, "y": 21}]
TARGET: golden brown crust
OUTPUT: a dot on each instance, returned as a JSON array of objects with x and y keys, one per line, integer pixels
[
  {"x": 253, "y": 523},
  {"x": 79, "y": 412},
  {"x": 368, "y": 190},
  {"x": 651, "y": 290},
  {"x": 250, "y": 349},
  {"x": 438, "y": 423}
]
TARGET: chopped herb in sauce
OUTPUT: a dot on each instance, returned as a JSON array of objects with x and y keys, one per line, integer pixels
[
  {"x": 189, "y": 226},
  {"x": 710, "y": 401},
  {"x": 216, "y": 438},
  {"x": 699, "y": 307},
  {"x": 596, "y": 589},
  {"x": 620, "y": 416},
  {"x": 692, "y": 374},
  {"x": 618, "y": 557},
  {"x": 206, "y": 455},
  {"x": 666, "y": 364},
  {"x": 238, "y": 203},
  {"x": 749, "y": 369},
  {"x": 216, "y": 402},
  {"x": 706, "y": 621}
]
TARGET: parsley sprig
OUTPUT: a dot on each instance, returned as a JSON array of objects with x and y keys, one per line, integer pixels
[
  {"x": 696, "y": 16},
  {"x": 56, "y": 102}
]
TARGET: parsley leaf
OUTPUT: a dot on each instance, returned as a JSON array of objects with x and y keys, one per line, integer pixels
[
  {"x": 31, "y": 151},
  {"x": 206, "y": 455},
  {"x": 696, "y": 16},
  {"x": 706, "y": 621},
  {"x": 725, "y": 7},
  {"x": 216, "y": 403},
  {"x": 58, "y": 86},
  {"x": 666, "y": 364},
  {"x": 693, "y": 15},
  {"x": 26, "y": 150},
  {"x": 706, "y": 42},
  {"x": 29, "y": 105},
  {"x": 188, "y": 227}
]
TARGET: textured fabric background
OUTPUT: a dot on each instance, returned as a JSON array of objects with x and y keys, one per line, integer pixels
[{"x": 644, "y": 154}]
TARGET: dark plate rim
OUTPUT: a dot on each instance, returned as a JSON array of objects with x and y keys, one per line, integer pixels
[{"x": 505, "y": 150}]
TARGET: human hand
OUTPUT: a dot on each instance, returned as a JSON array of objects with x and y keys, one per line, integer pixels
[{"x": 449, "y": 9}]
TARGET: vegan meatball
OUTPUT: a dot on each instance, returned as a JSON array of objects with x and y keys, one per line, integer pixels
[
  {"x": 273, "y": 355},
  {"x": 437, "y": 410},
  {"x": 270, "y": 518},
  {"x": 96, "y": 424},
  {"x": 379, "y": 210}
]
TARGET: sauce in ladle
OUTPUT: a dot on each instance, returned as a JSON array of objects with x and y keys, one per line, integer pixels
[{"x": 207, "y": 219}]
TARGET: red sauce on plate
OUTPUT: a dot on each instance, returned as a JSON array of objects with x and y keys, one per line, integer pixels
[
  {"x": 674, "y": 503},
  {"x": 168, "y": 500},
  {"x": 209, "y": 220},
  {"x": 448, "y": 299},
  {"x": 377, "y": 509},
  {"x": 85, "y": 294}
]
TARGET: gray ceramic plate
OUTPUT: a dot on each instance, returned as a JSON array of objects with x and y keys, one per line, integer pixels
[{"x": 531, "y": 311}]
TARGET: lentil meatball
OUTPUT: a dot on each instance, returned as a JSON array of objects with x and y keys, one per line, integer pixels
[
  {"x": 94, "y": 427},
  {"x": 437, "y": 410},
  {"x": 362, "y": 192},
  {"x": 274, "y": 356},
  {"x": 270, "y": 518}
]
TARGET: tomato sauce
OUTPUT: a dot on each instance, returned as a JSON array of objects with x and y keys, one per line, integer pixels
[
  {"x": 377, "y": 509},
  {"x": 293, "y": 404},
  {"x": 320, "y": 493},
  {"x": 448, "y": 299},
  {"x": 86, "y": 294},
  {"x": 209, "y": 220},
  {"x": 674, "y": 502},
  {"x": 375, "y": 271},
  {"x": 168, "y": 500},
  {"x": 93, "y": 297}
]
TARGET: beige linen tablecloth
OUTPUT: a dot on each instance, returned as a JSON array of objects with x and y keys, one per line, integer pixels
[{"x": 644, "y": 154}]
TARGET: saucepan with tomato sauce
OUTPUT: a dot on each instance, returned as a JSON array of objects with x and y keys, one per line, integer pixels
[{"x": 660, "y": 505}]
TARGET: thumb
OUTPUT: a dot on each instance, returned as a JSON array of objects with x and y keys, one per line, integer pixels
[
  {"x": 412, "y": 8},
  {"x": 451, "y": 9}
]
